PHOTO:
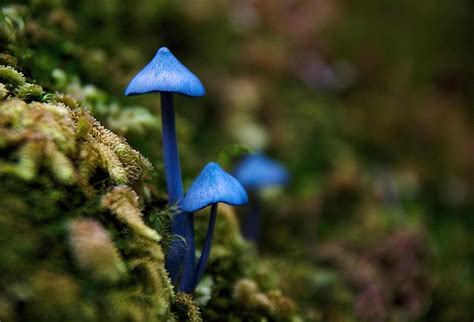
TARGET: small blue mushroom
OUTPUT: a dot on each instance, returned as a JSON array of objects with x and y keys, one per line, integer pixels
[
  {"x": 256, "y": 172},
  {"x": 213, "y": 185},
  {"x": 165, "y": 74}
]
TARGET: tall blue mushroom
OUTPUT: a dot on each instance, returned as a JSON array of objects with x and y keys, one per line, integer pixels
[
  {"x": 213, "y": 185},
  {"x": 166, "y": 75},
  {"x": 256, "y": 172}
]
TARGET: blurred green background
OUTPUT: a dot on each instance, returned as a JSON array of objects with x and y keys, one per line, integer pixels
[{"x": 368, "y": 103}]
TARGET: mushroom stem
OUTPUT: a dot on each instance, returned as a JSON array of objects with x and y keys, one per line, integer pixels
[
  {"x": 252, "y": 223},
  {"x": 182, "y": 222},
  {"x": 187, "y": 279},
  {"x": 206, "y": 250},
  {"x": 170, "y": 149}
]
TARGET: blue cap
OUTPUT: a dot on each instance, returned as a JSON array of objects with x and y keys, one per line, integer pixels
[
  {"x": 258, "y": 171},
  {"x": 165, "y": 73},
  {"x": 211, "y": 186}
]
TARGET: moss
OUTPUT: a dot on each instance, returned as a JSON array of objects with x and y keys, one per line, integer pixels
[
  {"x": 94, "y": 251},
  {"x": 186, "y": 308},
  {"x": 29, "y": 92},
  {"x": 54, "y": 296},
  {"x": 122, "y": 201},
  {"x": 3, "y": 91},
  {"x": 66, "y": 258},
  {"x": 11, "y": 77}
]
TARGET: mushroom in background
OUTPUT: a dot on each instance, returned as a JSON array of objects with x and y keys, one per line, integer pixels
[{"x": 257, "y": 172}]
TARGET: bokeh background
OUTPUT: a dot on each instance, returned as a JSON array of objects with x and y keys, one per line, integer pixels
[{"x": 368, "y": 103}]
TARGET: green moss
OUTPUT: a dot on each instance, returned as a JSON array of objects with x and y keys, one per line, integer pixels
[
  {"x": 11, "y": 77},
  {"x": 29, "y": 92},
  {"x": 3, "y": 91},
  {"x": 64, "y": 255}
]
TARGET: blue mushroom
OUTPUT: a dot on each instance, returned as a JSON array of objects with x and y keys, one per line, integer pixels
[
  {"x": 256, "y": 172},
  {"x": 166, "y": 75},
  {"x": 213, "y": 185}
]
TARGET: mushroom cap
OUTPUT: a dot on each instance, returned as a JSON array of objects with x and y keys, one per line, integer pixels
[
  {"x": 211, "y": 186},
  {"x": 257, "y": 171},
  {"x": 165, "y": 73}
]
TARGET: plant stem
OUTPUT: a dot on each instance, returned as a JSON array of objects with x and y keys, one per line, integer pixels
[
  {"x": 206, "y": 250},
  {"x": 182, "y": 222}
]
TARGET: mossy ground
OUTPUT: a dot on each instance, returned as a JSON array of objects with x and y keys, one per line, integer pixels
[{"x": 74, "y": 243}]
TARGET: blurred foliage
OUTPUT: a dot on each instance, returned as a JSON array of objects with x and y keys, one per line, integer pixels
[{"x": 369, "y": 103}]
